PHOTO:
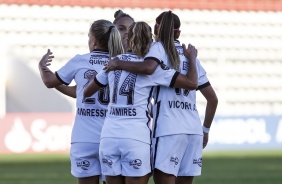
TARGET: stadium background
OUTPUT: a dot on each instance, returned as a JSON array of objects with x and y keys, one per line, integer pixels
[{"x": 239, "y": 43}]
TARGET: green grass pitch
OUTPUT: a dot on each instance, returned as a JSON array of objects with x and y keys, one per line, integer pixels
[{"x": 238, "y": 167}]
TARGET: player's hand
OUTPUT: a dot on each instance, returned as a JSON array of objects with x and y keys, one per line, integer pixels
[
  {"x": 111, "y": 65},
  {"x": 191, "y": 52},
  {"x": 46, "y": 60},
  {"x": 205, "y": 139}
]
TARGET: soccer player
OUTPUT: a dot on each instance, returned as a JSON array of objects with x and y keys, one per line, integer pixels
[
  {"x": 122, "y": 22},
  {"x": 126, "y": 135},
  {"x": 176, "y": 119},
  {"x": 178, "y": 147},
  {"x": 104, "y": 42}
]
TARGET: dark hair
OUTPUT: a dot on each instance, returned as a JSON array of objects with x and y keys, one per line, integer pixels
[
  {"x": 140, "y": 38},
  {"x": 107, "y": 36},
  {"x": 166, "y": 30},
  {"x": 176, "y": 20},
  {"x": 119, "y": 14}
]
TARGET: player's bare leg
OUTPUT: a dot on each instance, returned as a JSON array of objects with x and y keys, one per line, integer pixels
[
  {"x": 137, "y": 180},
  {"x": 163, "y": 178},
  {"x": 184, "y": 180},
  {"x": 88, "y": 180},
  {"x": 115, "y": 179}
]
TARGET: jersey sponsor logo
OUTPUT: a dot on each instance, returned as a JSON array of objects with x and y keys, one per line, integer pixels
[
  {"x": 92, "y": 112},
  {"x": 185, "y": 65},
  {"x": 198, "y": 161},
  {"x": 123, "y": 111},
  {"x": 182, "y": 105},
  {"x": 83, "y": 164},
  {"x": 163, "y": 66},
  {"x": 135, "y": 163},
  {"x": 179, "y": 50},
  {"x": 129, "y": 57},
  {"x": 98, "y": 59},
  {"x": 175, "y": 160},
  {"x": 109, "y": 162}
]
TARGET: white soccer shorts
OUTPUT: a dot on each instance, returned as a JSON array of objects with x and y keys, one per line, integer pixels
[
  {"x": 85, "y": 160},
  {"x": 126, "y": 157},
  {"x": 179, "y": 155}
]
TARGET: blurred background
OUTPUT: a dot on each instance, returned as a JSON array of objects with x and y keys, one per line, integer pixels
[{"x": 239, "y": 43}]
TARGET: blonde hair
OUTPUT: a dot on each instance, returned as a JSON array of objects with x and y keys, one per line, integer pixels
[
  {"x": 166, "y": 37},
  {"x": 107, "y": 36},
  {"x": 140, "y": 38}
]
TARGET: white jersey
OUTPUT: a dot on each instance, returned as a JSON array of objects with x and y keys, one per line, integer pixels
[
  {"x": 91, "y": 112},
  {"x": 130, "y": 95},
  {"x": 175, "y": 110}
]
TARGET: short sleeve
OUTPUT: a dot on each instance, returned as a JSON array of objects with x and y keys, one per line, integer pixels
[
  {"x": 164, "y": 76},
  {"x": 101, "y": 78},
  {"x": 67, "y": 73},
  {"x": 156, "y": 52},
  {"x": 202, "y": 77}
]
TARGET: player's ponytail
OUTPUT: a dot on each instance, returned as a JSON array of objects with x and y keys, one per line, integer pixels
[
  {"x": 107, "y": 36},
  {"x": 114, "y": 44},
  {"x": 139, "y": 38},
  {"x": 166, "y": 37}
]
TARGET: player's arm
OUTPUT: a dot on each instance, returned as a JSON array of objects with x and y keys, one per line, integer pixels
[
  {"x": 190, "y": 80},
  {"x": 212, "y": 101},
  {"x": 48, "y": 77},
  {"x": 147, "y": 67},
  {"x": 67, "y": 90}
]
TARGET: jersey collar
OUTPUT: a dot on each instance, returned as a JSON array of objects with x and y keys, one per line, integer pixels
[
  {"x": 100, "y": 51},
  {"x": 177, "y": 41}
]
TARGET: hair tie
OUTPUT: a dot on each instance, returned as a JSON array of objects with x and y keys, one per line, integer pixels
[{"x": 110, "y": 29}]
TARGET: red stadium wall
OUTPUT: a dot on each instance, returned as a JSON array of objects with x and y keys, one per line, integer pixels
[
  {"x": 239, "y": 5},
  {"x": 51, "y": 133},
  {"x": 36, "y": 132}
]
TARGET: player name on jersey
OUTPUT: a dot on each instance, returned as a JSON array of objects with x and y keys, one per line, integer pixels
[
  {"x": 92, "y": 112},
  {"x": 124, "y": 111},
  {"x": 182, "y": 105}
]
